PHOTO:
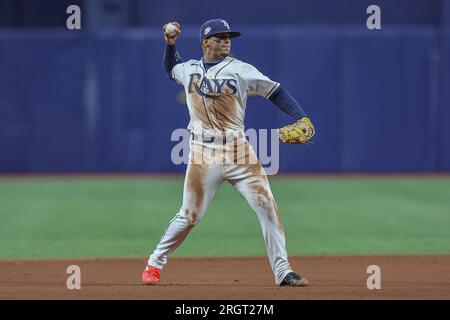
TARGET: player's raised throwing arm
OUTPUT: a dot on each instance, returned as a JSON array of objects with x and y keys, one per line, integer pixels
[{"x": 171, "y": 56}]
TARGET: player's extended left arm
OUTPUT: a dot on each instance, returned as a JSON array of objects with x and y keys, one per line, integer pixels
[
  {"x": 302, "y": 130},
  {"x": 283, "y": 100}
]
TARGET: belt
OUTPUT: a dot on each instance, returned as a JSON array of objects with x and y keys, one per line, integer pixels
[{"x": 212, "y": 138}]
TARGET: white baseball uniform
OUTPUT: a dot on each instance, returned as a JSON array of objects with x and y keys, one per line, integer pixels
[{"x": 216, "y": 99}]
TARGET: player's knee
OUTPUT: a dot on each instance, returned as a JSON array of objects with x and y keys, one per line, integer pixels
[
  {"x": 191, "y": 223},
  {"x": 191, "y": 217}
]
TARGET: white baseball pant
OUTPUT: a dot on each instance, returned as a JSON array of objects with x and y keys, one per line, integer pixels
[{"x": 210, "y": 164}]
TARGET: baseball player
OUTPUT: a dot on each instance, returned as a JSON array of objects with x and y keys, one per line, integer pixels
[{"x": 216, "y": 89}]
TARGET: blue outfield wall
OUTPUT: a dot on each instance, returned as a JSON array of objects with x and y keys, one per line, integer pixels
[
  {"x": 154, "y": 13},
  {"x": 101, "y": 102}
]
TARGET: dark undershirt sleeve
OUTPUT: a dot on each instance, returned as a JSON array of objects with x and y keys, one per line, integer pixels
[
  {"x": 171, "y": 59},
  {"x": 283, "y": 100}
]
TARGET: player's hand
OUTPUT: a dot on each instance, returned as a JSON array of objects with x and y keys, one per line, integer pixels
[{"x": 171, "y": 38}]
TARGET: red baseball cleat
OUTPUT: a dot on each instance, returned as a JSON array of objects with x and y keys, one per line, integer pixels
[{"x": 151, "y": 275}]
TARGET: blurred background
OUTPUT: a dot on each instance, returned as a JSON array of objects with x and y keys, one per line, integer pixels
[{"x": 98, "y": 99}]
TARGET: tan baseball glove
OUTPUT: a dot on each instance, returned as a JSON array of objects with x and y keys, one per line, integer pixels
[{"x": 299, "y": 132}]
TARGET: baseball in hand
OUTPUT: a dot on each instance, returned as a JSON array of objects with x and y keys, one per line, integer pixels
[{"x": 171, "y": 29}]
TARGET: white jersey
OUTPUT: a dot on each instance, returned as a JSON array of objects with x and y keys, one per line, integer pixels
[{"x": 217, "y": 98}]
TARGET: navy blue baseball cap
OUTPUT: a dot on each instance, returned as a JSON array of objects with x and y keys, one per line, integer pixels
[{"x": 216, "y": 26}]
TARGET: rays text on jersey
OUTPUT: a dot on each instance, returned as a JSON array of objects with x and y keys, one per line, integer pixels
[{"x": 210, "y": 85}]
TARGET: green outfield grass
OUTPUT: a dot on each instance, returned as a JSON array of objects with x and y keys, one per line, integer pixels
[{"x": 125, "y": 217}]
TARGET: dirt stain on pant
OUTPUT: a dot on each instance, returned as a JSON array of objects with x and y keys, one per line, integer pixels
[
  {"x": 191, "y": 217},
  {"x": 267, "y": 202},
  {"x": 196, "y": 187}
]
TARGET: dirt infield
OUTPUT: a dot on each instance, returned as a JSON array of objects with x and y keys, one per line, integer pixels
[{"x": 402, "y": 277}]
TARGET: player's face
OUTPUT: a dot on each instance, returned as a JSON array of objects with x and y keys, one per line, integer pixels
[{"x": 221, "y": 44}]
